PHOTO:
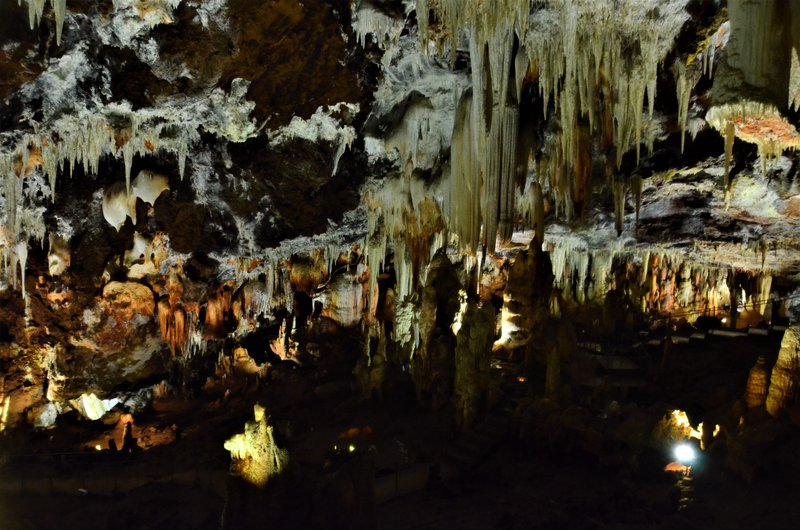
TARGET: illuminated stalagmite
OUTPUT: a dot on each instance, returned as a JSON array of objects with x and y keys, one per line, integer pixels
[
  {"x": 783, "y": 385},
  {"x": 526, "y": 298},
  {"x": 473, "y": 354},
  {"x": 757, "y": 384},
  {"x": 255, "y": 455}
]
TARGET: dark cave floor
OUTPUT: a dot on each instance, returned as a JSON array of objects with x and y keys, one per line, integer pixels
[{"x": 425, "y": 475}]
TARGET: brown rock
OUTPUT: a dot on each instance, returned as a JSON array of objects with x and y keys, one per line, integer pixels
[
  {"x": 118, "y": 344},
  {"x": 127, "y": 299}
]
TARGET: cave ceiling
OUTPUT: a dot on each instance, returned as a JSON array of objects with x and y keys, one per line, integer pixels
[{"x": 166, "y": 159}]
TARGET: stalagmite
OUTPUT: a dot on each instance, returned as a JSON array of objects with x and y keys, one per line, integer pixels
[
  {"x": 757, "y": 384},
  {"x": 255, "y": 456},
  {"x": 783, "y": 385},
  {"x": 526, "y": 298},
  {"x": 473, "y": 354}
]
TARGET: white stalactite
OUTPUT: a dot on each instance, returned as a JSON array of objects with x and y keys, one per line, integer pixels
[
  {"x": 36, "y": 10},
  {"x": 577, "y": 47},
  {"x": 369, "y": 20}
]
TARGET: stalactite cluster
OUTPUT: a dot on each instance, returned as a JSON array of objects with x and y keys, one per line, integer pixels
[
  {"x": 657, "y": 283},
  {"x": 600, "y": 83},
  {"x": 36, "y": 9}
]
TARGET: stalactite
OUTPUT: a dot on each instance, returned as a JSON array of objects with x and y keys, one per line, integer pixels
[
  {"x": 619, "y": 190},
  {"x": 636, "y": 190},
  {"x": 729, "y": 136},
  {"x": 756, "y": 123},
  {"x": 507, "y": 214},
  {"x": 217, "y": 309},
  {"x": 368, "y": 20},
  {"x": 754, "y": 82},
  {"x": 538, "y": 212},
  {"x": 463, "y": 204},
  {"x": 21, "y": 256},
  {"x": 84, "y": 138},
  {"x": 658, "y": 282},
  {"x": 684, "y": 88},
  {"x": 492, "y": 182},
  {"x": 403, "y": 214},
  {"x": 574, "y": 60},
  {"x": 36, "y": 10}
]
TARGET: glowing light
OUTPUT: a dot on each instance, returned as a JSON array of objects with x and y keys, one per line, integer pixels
[
  {"x": 351, "y": 448},
  {"x": 684, "y": 453},
  {"x": 98, "y": 447},
  {"x": 716, "y": 431},
  {"x": 724, "y": 320},
  {"x": 522, "y": 379}
]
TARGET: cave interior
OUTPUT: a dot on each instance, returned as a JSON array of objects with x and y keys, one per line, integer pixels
[{"x": 399, "y": 264}]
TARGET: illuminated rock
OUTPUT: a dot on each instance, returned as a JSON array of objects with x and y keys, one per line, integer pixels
[
  {"x": 758, "y": 78},
  {"x": 344, "y": 299},
  {"x": 43, "y": 416},
  {"x": 92, "y": 407},
  {"x": 783, "y": 385},
  {"x": 255, "y": 455},
  {"x": 58, "y": 256},
  {"x": 117, "y": 343},
  {"x": 757, "y": 384},
  {"x": 526, "y": 298}
]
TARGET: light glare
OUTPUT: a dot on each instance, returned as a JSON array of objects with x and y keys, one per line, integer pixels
[{"x": 684, "y": 453}]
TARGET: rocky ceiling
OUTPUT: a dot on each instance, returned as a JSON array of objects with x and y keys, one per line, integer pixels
[{"x": 179, "y": 174}]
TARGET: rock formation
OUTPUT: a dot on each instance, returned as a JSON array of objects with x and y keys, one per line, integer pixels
[
  {"x": 783, "y": 384},
  {"x": 208, "y": 201}
]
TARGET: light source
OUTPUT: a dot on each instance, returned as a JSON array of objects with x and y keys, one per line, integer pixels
[{"x": 684, "y": 453}]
